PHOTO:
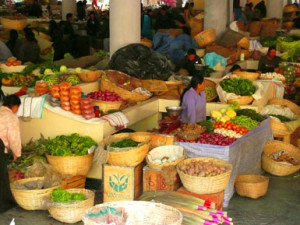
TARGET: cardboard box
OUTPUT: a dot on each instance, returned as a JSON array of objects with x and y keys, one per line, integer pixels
[
  {"x": 153, "y": 180},
  {"x": 74, "y": 182},
  {"x": 122, "y": 183},
  {"x": 217, "y": 198}
]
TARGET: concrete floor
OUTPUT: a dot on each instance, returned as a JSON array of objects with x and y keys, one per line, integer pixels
[{"x": 281, "y": 206}]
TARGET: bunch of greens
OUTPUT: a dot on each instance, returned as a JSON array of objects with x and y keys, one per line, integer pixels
[
  {"x": 245, "y": 121},
  {"x": 62, "y": 196},
  {"x": 250, "y": 113},
  {"x": 69, "y": 145},
  {"x": 208, "y": 125},
  {"x": 29, "y": 68},
  {"x": 292, "y": 49},
  {"x": 281, "y": 118},
  {"x": 42, "y": 66},
  {"x": 242, "y": 87},
  {"x": 125, "y": 143}
]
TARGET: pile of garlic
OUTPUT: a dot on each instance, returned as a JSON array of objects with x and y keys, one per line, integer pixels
[{"x": 272, "y": 76}]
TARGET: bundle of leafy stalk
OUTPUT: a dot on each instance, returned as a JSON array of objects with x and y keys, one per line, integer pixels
[
  {"x": 62, "y": 196},
  {"x": 250, "y": 113},
  {"x": 281, "y": 118},
  {"x": 33, "y": 151},
  {"x": 242, "y": 87},
  {"x": 69, "y": 145}
]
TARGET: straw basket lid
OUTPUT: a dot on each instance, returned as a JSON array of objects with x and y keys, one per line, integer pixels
[
  {"x": 284, "y": 102},
  {"x": 141, "y": 136},
  {"x": 252, "y": 186},
  {"x": 90, "y": 76},
  {"x": 30, "y": 199},
  {"x": 242, "y": 100},
  {"x": 205, "y": 185},
  {"x": 279, "y": 128},
  {"x": 247, "y": 75},
  {"x": 173, "y": 152},
  {"x": 278, "y": 168},
  {"x": 72, "y": 212},
  {"x": 140, "y": 212}
]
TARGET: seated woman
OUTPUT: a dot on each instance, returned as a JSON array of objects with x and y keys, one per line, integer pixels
[
  {"x": 269, "y": 62},
  {"x": 194, "y": 102}
]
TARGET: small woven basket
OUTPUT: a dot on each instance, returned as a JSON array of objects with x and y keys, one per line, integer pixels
[
  {"x": 141, "y": 136},
  {"x": 90, "y": 76},
  {"x": 205, "y": 37},
  {"x": 280, "y": 101},
  {"x": 30, "y": 199},
  {"x": 72, "y": 213},
  {"x": 205, "y": 185},
  {"x": 212, "y": 84},
  {"x": 279, "y": 128},
  {"x": 140, "y": 212},
  {"x": 105, "y": 106},
  {"x": 243, "y": 100},
  {"x": 71, "y": 165},
  {"x": 247, "y": 75},
  {"x": 252, "y": 186},
  {"x": 278, "y": 168}
]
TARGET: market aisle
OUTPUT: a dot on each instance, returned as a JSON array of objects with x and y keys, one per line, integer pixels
[{"x": 281, "y": 206}]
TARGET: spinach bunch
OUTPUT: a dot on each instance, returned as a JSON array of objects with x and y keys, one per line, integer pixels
[{"x": 242, "y": 87}]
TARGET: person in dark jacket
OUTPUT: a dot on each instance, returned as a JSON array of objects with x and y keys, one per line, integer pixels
[
  {"x": 35, "y": 9},
  {"x": 261, "y": 7},
  {"x": 164, "y": 20},
  {"x": 189, "y": 62},
  {"x": 14, "y": 43},
  {"x": 92, "y": 28},
  {"x": 70, "y": 38},
  {"x": 80, "y": 10},
  {"x": 269, "y": 62},
  {"x": 56, "y": 35},
  {"x": 30, "y": 50}
]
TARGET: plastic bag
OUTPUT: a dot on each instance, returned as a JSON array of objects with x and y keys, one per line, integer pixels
[{"x": 277, "y": 110}]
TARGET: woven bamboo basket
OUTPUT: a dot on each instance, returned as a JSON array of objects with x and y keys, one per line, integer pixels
[
  {"x": 141, "y": 136},
  {"x": 252, "y": 186},
  {"x": 72, "y": 213},
  {"x": 244, "y": 43},
  {"x": 280, "y": 101},
  {"x": 277, "y": 168},
  {"x": 247, "y": 75},
  {"x": 165, "y": 151},
  {"x": 212, "y": 84},
  {"x": 127, "y": 95},
  {"x": 279, "y": 128},
  {"x": 11, "y": 22},
  {"x": 90, "y": 76},
  {"x": 71, "y": 165},
  {"x": 105, "y": 106},
  {"x": 140, "y": 212},
  {"x": 132, "y": 157},
  {"x": 205, "y": 185},
  {"x": 205, "y": 37},
  {"x": 30, "y": 199},
  {"x": 243, "y": 100}
]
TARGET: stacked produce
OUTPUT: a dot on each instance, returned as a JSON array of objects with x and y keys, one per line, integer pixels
[
  {"x": 212, "y": 139},
  {"x": 272, "y": 76},
  {"x": 62, "y": 196},
  {"x": 41, "y": 88},
  {"x": 50, "y": 79},
  {"x": 238, "y": 86},
  {"x": 75, "y": 96},
  {"x": 12, "y": 61},
  {"x": 55, "y": 91},
  {"x": 106, "y": 96},
  {"x": 251, "y": 114},
  {"x": 65, "y": 96},
  {"x": 23, "y": 80},
  {"x": 87, "y": 109},
  {"x": 190, "y": 131},
  {"x": 209, "y": 126},
  {"x": 245, "y": 121},
  {"x": 230, "y": 129}
]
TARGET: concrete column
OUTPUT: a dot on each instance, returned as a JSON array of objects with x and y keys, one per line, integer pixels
[
  {"x": 274, "y": 8},
  {"x": 68, "y": 6},
  {"x": 125, "y": 23},
  {"x": 215, "y": 15}
]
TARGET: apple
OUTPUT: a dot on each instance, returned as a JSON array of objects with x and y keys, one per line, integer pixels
[
  {"x": 63, "y": 69},
  {"x": 48, "y": 71},
  {"x": 78, "y": 70}
]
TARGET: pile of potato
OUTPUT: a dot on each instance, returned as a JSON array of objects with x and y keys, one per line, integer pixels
[{"x": 203, "y": 169}]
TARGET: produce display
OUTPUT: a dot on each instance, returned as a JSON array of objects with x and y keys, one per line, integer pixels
[
  {"x": 190, "y": 131},
  {"x": 87, "y": 109},
  {"x": 251, "y": 114},
  {"x": 125, "y": 143},
  {"x": 225, "y": 114},
  {"x": 75, "y": 96},
  {"x": 284, "y": 157},
  {"x": 203, "y": 169},
  {"x": 41, "y": 88},
  {"x": 272, "y": 76},
  {"x": 47, "y": 66},
  {"x": 245, "y": 121},
  {"x": 50, "y": 79},
  {"x": 212, "y": 139},
  {"x": 281, "y": 118},
  {"x": 23, "y": 80},
  {"x": 104, "y": 96},
  {"x": 59, "y": 195},
  {"x": 65, "y": 95},
  {"x": 210, "y": 92},
  {"x": 69, "y": 145},
  {"x": 209, "y": 126},
  {"x": 12, "y": 61},
  {"x": 242, "y": 87},
  {"x": 73, "y": 79},
  {"x": 122, "y": 80}
]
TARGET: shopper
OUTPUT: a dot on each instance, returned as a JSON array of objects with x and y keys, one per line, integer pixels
[
  {"x": 269, "y": 62},
  {"x": 80, "y": 10},
  {"x": 14, "y": 43},
  {"x": 9, "y": 141},
  {"x": 5, "y": 53},
  {"x": 261, "y": 7},
  {"x": 92, "y": 28},
  {"x": 30, "y": 50},
  {"x": 189, "y": 62},
  {"x": 56, "y": 35},
  {"x": 35, "y": 9},
  {"x": 193, "y": 101}
]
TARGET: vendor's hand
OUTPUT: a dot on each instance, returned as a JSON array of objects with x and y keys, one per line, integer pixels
[{"x": 15, "y": 158}]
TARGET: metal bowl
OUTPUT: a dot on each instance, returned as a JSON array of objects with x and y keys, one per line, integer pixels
[{"x": 174, "y": 110}]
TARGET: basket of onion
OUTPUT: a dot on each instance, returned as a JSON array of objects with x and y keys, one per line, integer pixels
[
  {"x": 106, "y": 100},
  {"x": 204, "y": 175}
]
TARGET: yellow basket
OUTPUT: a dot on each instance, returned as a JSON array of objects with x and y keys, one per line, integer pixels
[
  {"x": 72, "y": 213},
  {"x": 132, "y": 157},
  {"x": 205, "y": 185},
  {"x": 277, "y": 168},
  {"x": 252, "y": 186},
  {"x": 212, "y": 84},
  {"x": 141, "y": 136},
  {"x": 105, "y": 106},
  {"x": 71, "y": 165},
  {"x": 205, "y": 37},
  {"x": 247, "y": 75},
  {"x": 280, "y": 101},
  {"x": 243, "y": 100},
  {"x": 11, "y": 22},
  {"x": 30, "y": 199},
  {"x": 90, "y": 76},
  {"x": 279, "y": 128}
]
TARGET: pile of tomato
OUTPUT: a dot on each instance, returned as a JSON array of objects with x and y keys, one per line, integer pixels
[{"x": 231, "y": 126}]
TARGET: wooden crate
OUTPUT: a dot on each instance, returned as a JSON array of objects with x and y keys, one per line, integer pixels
[
  {"x": 74, "y": 182},
  {"x": 122, "y": 183},
  {"x": 217, "y": 198},
  {"x": 153, "y": 180}
]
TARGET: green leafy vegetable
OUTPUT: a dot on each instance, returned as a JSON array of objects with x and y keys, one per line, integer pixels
[
  {"x": 125, "y": 143},
  {"x": 242, "y": 87},
  {"x": 209, "y": 126},
  {"x": 63, "y": 196},
  {"x": 245, "y": 121},
  {"x": 250, "y": 113},
  {"x": 281, "y": 118}
]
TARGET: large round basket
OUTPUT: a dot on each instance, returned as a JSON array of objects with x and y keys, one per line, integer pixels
[
  {"x": 252, "y": 186},
  {"x": 106, "y": 84},
  {"x": 11, "y": 22},
  {"x": 132, "y": 157},
  {"x": 140, "y": 212},
  {"x": 72, "y": 213},
  {"x": 247, "y": 75},
  {"x": 243, "y": 100},
  {"x": 205, "y": 37},
  {"x": 90, "y": 76},
  {"x": 279, "y": 128},
  {"x": 71, "y": 165},
  {"x": 165, "y": 151},
  {"x": 30, "y": 199},
  {"x": 278, "y": 168},
  {"x": 141, "y": 136},
  {"x": 280, "y": 101},
  {"x": 205, "y": 185},
  {"x": 106, "y": 106},
  {"x": 212, "y": 84}
]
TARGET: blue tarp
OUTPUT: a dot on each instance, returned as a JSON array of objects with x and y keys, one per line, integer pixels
[{"x": 212, "y": 59}]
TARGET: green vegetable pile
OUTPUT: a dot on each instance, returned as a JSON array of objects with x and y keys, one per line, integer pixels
[
  {"x": 281, "y": 118},
  {"x": 209, "y": 126},
  {"x": 62, "y": 196},
  {"x": 210, "y": 92},
  {"x": 42, "y": 66},
  {"x": 250, "y": 113},
  {"x": 245, "y": 121},
  {"x": 69, "y": 145},
  {"x": 242, "y": 87},
  {"x": 125, "y": 143}
]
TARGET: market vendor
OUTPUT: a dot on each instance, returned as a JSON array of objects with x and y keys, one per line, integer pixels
[
  {"x": 269, "y": 62},
  {"x": 9, "y": 140},
  {"x": 189, "y": 61},
  {"x": 193, "y": 101}
]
